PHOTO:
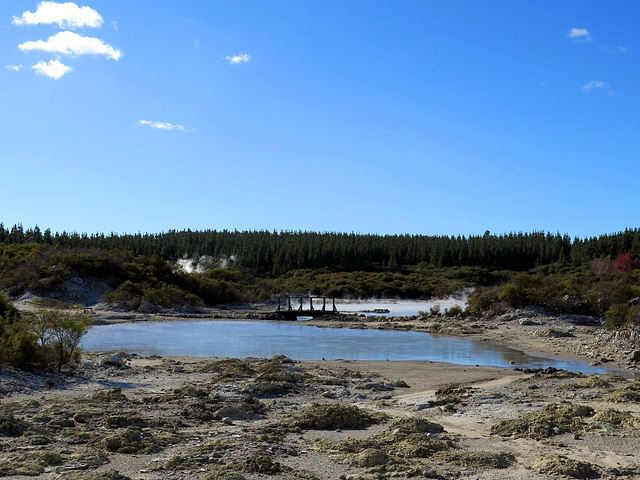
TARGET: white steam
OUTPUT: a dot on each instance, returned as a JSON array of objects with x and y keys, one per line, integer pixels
[{"x": 204, "y": 263}]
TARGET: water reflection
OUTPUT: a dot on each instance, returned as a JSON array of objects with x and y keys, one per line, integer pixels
[{"x": 301, "y": 342}]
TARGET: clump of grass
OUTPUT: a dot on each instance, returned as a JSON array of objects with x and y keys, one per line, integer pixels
[
  {"x": 561, "y": 465},
  {"x": 262, "y": 464},
  {"x": 418, "y": 445},
  {"x": 481, "y": 459},
  {"x": 590, "y": 382},
  {"x": 130, "y": 441},
  {"x": 82, "y": 475},
  {"x": 553, "y": 419},
  {"x": 348, "y": 446},
  {"x": 629, "y": 393},
  {"x": 331, "y": 417},
  {"x": 612, "y": 418}
]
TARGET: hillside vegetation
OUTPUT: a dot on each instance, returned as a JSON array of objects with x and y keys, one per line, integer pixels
[{"x": 595, "y": 276}]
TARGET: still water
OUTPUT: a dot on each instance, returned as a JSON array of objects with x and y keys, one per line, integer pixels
[
  {"x": 396, "y": 308},
  {"x": 220, "y": 338}
]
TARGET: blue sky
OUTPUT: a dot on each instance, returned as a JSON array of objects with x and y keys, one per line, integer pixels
[{"x": 421, "y": 117}]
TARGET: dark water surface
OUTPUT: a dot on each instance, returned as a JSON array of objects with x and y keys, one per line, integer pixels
[{"x": 220, "y": 338}]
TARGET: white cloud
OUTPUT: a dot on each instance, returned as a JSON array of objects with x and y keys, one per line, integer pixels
[
  {"x": 622, "y": 50},
  {"x": 69, "y": 43},
  {"x": 53, "y": 69},
  {"x": 196, "y": 42},
  {"x": 15, "y": 68},
  {"x": 163, "y": 125},
  {"x": 579, "y": 35},
  {"x": 596, "y": 85},
  {"x": 114, "y": 25},
  {"x": 65, "y": 15},
  {"x": 236, "y": 59}
]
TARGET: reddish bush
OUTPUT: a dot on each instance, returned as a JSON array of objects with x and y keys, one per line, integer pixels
[{"x": 624, "y": 263}]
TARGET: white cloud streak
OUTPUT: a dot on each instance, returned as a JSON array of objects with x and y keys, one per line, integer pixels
[
  {"x": 64, "y": 15},
  {"x": 163, "y": 125},
  {"x": 596, "y": 85},
  {"x": 54, "y": 69},
  {"x": 237, "y": 59},
  {"x": 579, "y": 35},
  {"x": 69, "y": 43},
  {"x": 15, "y": 68}
]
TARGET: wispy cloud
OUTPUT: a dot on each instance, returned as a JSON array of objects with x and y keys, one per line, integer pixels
[
  {"x": 52, "y": 69},
  {"x": 579, "y": 35},
  {"x": 237, "y": 59},
  {"x": 15, "y": 68},
  {"x": 597, "y": 85},
  {"x": 69, "y": 43},
  {"x": 622, "y": 50},
  {"x": 64, "y": 15},
  {"x": 114, "y": 25},
  {"x": 163, "y": 125},
  {"x": 196, "y": 42}
]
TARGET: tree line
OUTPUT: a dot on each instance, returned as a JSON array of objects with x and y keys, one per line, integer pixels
[{"x": 276, "y": 253}]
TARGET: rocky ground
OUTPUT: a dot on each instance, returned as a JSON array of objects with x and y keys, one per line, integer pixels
[{"x": 137, "y": 417}]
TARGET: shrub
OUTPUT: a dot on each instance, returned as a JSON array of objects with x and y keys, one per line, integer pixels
[
  {"x": 18, "y": 346},
  {"x": 453, "y": 311},
  {"x": 625, "y": 263},
  {"x": 59, "y": 334}
]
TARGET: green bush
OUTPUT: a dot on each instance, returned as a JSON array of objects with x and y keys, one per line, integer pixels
[
  {"x": 47, "y": 339},
  {"x": 59, "y": 334},
  {"x": 18, "y": 343}
]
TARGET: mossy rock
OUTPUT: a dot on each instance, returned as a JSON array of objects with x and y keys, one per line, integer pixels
[
  {"x": 267, "y": 388},
  {"x": 190, "y": 391},
  {"x": 371, "y": 457},
  {"x": 195, "y": 457},
  {"x": 262, "y": 464},
  {"x": 11, "y": 426},
  {"x": 28, "y": 465},
  {"x": 120, "y": 421},
  {"x": 561, "y": 465},
  {"x": 108, "y": 395},
  {"x": 553, "y": 419},
  {"x": 331, "y": 417},
  {"x": 130, "y": 441},
  {"x": 51, "y": 458},
  {"x": 482, "y": 459}
]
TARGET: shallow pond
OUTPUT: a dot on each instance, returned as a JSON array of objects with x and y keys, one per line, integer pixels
[
  {"x": 396, "y": 307},
  {"x": 221, "y": 338}
]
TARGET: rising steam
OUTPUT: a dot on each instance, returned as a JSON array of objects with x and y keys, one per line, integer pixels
[{"x": 204, "y": 263}]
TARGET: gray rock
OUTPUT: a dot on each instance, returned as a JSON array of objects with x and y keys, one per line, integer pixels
[
  {"x": 114, "y": 361},
  {"x": 147, "y": 307}
]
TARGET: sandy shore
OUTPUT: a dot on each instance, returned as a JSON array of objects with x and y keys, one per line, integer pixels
[{"x": 142, "y": 417}]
